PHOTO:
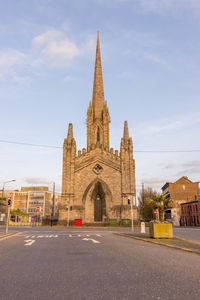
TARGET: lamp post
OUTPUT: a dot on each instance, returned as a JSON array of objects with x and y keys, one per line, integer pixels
[
  {"x": 53, "y": 208},
  {"x": 198, "y": 199},
  {"x": 53, "y": 203},
  {"x": 132, "y": 200},
  {"x": 8, "y": 206}
]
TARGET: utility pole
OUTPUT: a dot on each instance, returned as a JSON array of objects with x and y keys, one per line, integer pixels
[
  {"x": 198, "y": 195},
  {"x": 53, "y": 208},
  {"x": 53, "y": 204},
  {"x": 142, "y": 193},
  {"x": 68, "y": 214},
  {"x": 132, "y": 226}
]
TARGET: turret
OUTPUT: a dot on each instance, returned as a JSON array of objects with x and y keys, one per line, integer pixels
[
  {"x": 69, "y": 154},
  {"x": 127, "y": 164}
]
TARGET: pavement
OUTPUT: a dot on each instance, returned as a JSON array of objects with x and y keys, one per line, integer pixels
[
  {"x": 9, "y": 234},
  {"x": 176, "y": 242}
]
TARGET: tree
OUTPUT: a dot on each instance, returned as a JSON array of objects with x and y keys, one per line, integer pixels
[
  {"x": 160, "y": 202},
  {"x": 17, "y": 212},
  {"x": 145, "y": 206},
  {"x": 2, "y": 205},
  {"x": 149, "y": 200}
]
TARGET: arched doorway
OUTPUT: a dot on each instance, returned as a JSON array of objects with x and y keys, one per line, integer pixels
[
  {"x": 97, "y": 200},
  {"x": 98, "y": 196}
]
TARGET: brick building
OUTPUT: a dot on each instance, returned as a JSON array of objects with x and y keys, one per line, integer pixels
[
  {"x": 190, "y": 213},
  {"x": 181, "y": 191},
  {"x": 98, "y": 181}
]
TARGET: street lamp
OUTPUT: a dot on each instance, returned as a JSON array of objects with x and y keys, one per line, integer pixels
[
  {"x": 53, "y": 204},
  {"x": 8, "y": 207},
  {"x": 4, "y": 183}
]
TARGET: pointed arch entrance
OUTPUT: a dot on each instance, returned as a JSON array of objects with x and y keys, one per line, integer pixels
[
  {"x": 97, "y": 201},
  {"x": 98, "y": 196}
]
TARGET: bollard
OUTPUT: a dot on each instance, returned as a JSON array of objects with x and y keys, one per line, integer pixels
[{"x": 143, "y": 227}]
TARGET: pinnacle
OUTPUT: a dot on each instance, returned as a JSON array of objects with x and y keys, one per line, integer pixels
[
  {"x": 70, "y": 132},
  {"x": 126, "y": 133}
]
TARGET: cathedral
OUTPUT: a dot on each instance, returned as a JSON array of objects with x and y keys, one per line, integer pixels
[{"x": 98, "y": 183}]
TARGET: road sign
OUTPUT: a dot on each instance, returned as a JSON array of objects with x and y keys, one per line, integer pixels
[{"x": 38, "y": 208}]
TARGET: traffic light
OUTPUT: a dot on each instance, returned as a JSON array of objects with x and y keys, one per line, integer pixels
[
  {"x": 69, "y": 207},
  {"x": 129, "y": 201},
  {"x": 9, "y": 201}
]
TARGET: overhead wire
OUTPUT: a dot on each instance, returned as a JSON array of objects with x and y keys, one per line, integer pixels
[{"x": 138, "y": 151}]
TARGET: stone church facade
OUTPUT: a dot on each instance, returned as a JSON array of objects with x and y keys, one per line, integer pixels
[{"x": 98, "y": 183}]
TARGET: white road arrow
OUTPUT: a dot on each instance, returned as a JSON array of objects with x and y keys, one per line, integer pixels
[
  {"x": 29, "y": 242},
  {"x": 94, "y": 241}
]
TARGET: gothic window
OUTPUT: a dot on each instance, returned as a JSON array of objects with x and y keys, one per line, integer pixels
[{"x": 98, "y": 135}]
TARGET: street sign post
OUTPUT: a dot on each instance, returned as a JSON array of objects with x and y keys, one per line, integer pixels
[
  {"x": 8, "y": 213},
  {"x": 37, "y": 210},
  {"x": 156, "y": 213}
]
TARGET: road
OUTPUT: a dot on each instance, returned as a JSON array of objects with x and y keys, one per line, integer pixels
[{"x": 93, "y": 264}]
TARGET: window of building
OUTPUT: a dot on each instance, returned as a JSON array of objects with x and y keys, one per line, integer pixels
[{"x": 98, "y": 135}]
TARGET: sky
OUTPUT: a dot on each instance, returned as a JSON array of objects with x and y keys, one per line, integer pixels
[{"x": 150, "y": 52}]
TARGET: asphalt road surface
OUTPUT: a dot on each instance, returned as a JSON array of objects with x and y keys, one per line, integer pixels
[{"x": 93, "y": 264}]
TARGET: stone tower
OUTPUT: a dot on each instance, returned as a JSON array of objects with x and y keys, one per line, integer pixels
[{"x": 97, "y": 183}]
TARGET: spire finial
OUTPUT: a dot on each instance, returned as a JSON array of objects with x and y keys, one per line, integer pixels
[
  {"x": 70, "y": 132},
  {"x": 126, "y": 133},
  {"x": 98, "y": 91}
]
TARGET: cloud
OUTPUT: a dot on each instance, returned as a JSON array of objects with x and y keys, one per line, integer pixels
[
  {"x": 160, "y": 6},
  {"x": 52, "y": 48},
  {"x": 153, "y": 182},
  {"x": 55, "y": 48},
  {"x": 158, "y": 128},
  {"x": 176, "y": 122},
  {"x": 154, "y": 6},
  {"x": 170, "y": 166},
  {"x": 11, "y": 61},
  {"x": 191, "y": 167},
  {"x": 68, "y": 78},
  {"x": 37, "y": 180}
]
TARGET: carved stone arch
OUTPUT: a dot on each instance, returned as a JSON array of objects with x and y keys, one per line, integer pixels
[{"x": 97, "y": 200}]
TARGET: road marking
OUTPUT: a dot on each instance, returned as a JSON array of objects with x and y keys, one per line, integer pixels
[
  {"x": 29, "y": 242},
  {"x": 94, "y": 241}
]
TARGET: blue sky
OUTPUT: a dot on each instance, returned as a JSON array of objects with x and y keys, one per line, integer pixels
[{"x": 150, "y": 56}]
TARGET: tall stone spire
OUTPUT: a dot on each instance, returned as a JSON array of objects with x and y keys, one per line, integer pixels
[{"x": 98, "y": 91}]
